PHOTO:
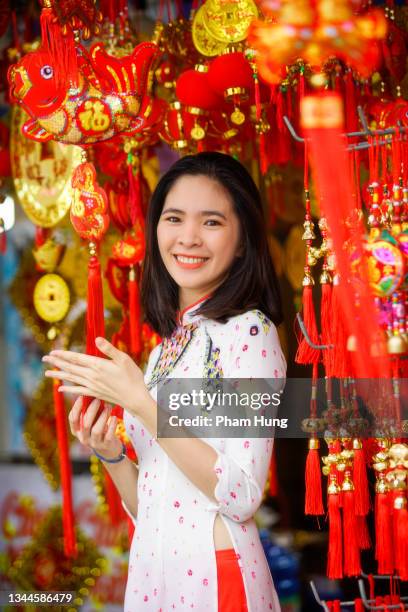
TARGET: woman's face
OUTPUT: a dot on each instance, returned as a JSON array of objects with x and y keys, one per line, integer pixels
[{"x": 198, "y": 235}]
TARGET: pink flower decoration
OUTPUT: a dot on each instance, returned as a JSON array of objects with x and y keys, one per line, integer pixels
[
  {"x": 190, "y": 572},
  {"x": 245, "y": 347},
  {"x": 234, "y": 495},
  {"x": 205, "y": 582},
  {"x": 181, "y": 519},
  {"x": 246, "y": 444},
  {"x": 263, "y": 353},
  {"x": 145, "y": 598},
  {"x": 177, "y": 504}
]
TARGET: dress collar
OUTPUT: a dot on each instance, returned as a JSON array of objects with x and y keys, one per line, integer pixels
[{"x": 188, "y": 314}]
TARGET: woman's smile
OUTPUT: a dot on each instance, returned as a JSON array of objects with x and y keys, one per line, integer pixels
[{"x": 190, "y": 262}]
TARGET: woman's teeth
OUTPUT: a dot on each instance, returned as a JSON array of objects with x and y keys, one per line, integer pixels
[{"x": 190, "y": 259}]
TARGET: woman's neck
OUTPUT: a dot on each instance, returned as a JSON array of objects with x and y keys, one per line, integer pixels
[{"x": 189, "y": 299}]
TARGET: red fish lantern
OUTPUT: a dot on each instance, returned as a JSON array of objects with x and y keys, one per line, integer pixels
[{"x": 110, "y": 99}]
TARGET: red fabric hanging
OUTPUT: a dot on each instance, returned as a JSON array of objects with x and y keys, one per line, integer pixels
[{"x": 68, "y": 519}]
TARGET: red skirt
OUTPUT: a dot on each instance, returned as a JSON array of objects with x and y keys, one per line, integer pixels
[{"x": 231, "y": 590}]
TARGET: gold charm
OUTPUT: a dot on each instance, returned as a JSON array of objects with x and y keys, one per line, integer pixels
[
  {"x": 203, "y": 41},
  {"x": 197, "y": 133},
  {"x": 228, "y": 21},
  {"x": 51, "y": 298},
  {"x": 41, "y": 173},
  {"x": 237, "y": 117}
]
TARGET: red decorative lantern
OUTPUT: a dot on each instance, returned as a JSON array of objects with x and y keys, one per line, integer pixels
[
  {"x": 230, "y": 75},
  {"x": 193, "y": 89}
]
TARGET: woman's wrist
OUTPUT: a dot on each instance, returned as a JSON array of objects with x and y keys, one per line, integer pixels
[{"x": 116, "y": 459}]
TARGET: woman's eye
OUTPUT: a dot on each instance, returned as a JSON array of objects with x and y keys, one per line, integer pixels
[
  {"x": 212, "y": 222},
  {"x": 172, "y": 219}
]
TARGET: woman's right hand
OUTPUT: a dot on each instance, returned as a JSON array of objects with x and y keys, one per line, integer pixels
[{"x": 99, "y": 435}]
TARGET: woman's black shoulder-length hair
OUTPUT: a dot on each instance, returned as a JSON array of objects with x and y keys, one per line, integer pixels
[{"x": 251, "y": 283}]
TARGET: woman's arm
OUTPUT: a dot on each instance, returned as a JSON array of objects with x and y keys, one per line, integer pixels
[{"x": 125, "y": 475}]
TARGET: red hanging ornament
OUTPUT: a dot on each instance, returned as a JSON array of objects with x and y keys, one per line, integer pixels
[
  {"x": 90, "y": 220},
  {"x": 68, "y": 518}
]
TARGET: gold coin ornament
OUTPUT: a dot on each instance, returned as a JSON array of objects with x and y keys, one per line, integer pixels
[
  {"x": 51, "y": 298},
  {"x": 42, "y": 174},
  {"x": 197, "y": 133},
  {"x": 237, "y": 117},
  {"x": 228, "y": 21},
  {"x": 203, "y": 41}
]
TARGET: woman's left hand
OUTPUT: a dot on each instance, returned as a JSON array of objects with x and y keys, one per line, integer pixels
[{"x": 117, "y": 380}]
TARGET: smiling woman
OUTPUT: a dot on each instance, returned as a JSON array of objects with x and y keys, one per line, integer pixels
[
  {"x": 193, "y": 238},
  {"x": 209, "y": 289}
]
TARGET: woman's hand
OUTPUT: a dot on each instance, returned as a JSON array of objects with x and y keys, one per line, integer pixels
[
  {"x": 117, "y": 380},
  {"x": 99, "y": 435}
]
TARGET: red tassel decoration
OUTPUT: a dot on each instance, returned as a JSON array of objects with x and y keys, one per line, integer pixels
[
  {"x": 305, "y": 353},
  {"x": 364, "y": 541},
  {"x": 135, "y": 194},
  {"x": 352, "y": 565},
  {"x": 326, "y": 318},
  {"x": 335, "y": 554},
  {"x": 3, "y": 240},
  {"x": 95, "y": 323},
  {"x": 339, "y": 337},
  {"x": 68, "y": 519},
  {"x": 383, "y": 528},
  {"x": 113, "y": 499},
  {"x": 134, "y": 314},
  {"x": 401, "y": 544},
  {"x": 361, "y": 493},
  {"x": 61, "y": 46},
  {"x": 313, "y": 497}
]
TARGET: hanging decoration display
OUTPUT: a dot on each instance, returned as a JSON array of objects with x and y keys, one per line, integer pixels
[{"x": 311, "y": 97}]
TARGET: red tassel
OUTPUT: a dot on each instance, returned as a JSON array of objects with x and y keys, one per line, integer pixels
[
  {"x": 335, "y": 554},
  {"x": 339, "y": 338},
  {"x": 305, "y": 353},
  {"x": 383, "y": 534},
  {"x": 352, "y": 566},
  {"x": 351, "y": 103},
  {"x": 68, "y": 519},
  {"x": 95, "y": 323},
  {"x": 134, "y": 315},
  {"x": 358, "y": 605},
  {"x": 326, "y": 319},
  {"x": 3, "y": 242},
  {"x": 135, "y": 195},
  {"x": 364, "y": 541},
  {"x": 116, "y": 511},
  {"x": 361, "y": 493},
  {"x": 61, "y": 47},
  {"x": 313, "y": 497},
  {"x": 401, "y": 545}
]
